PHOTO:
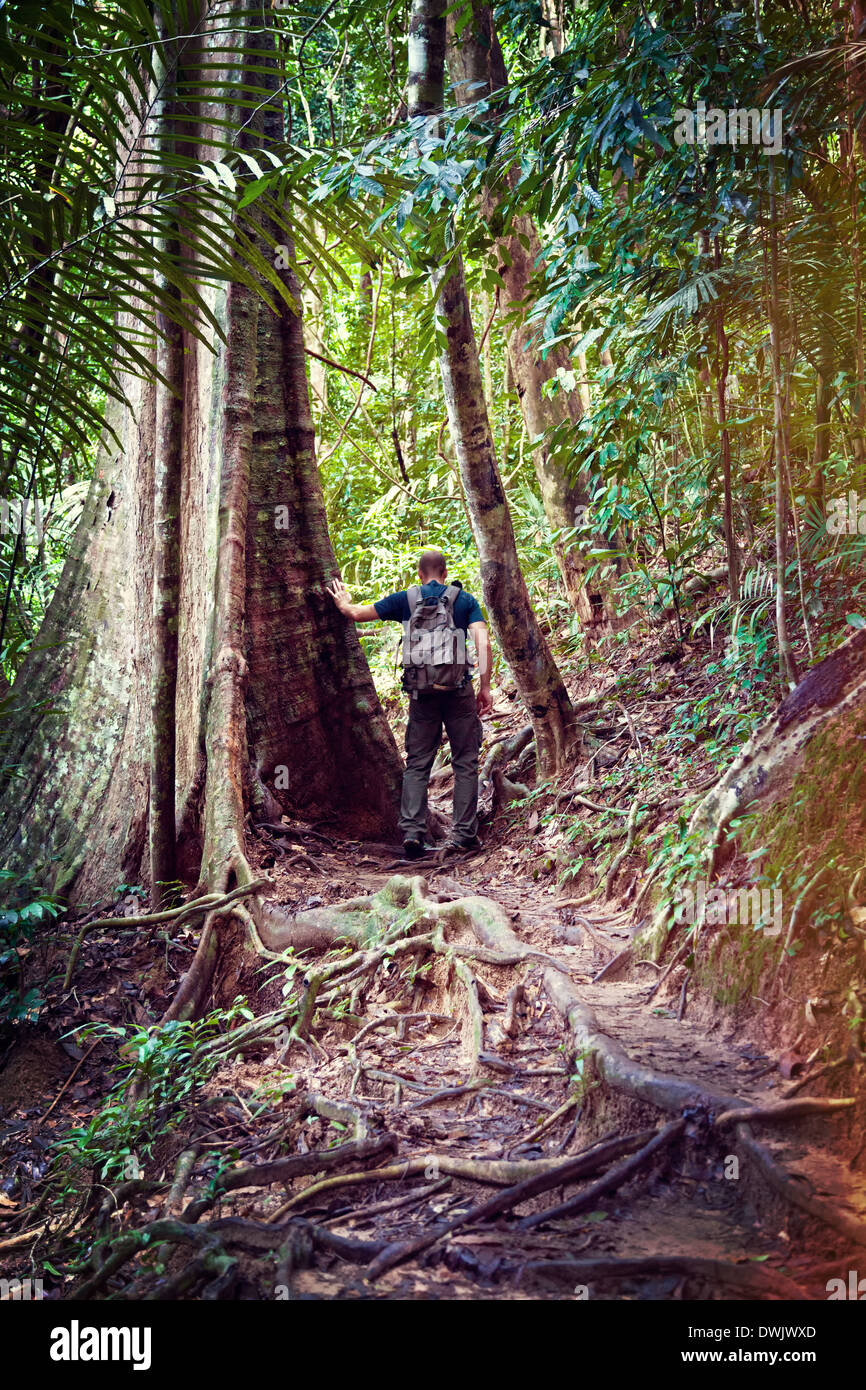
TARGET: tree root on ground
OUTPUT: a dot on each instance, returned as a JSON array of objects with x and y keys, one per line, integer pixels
[
  {"x": 748, "y": 1279},
  {"x": 197, "y": 907},
  {"x": 611, "y": 1181},
  {"x": 622, "y": 1073},
  {"x": 618, "y": 1069},
  {"x": 400, "y": 923},
  {"x": 282, "y": 1170},
  {"x": 785, "y": 1110},
  {"x": 563, "y": 1172},
  {"x": 495, "y": 1172},
  {"x": 505, "y": 751},
  {"x": 793, "y": 1191}
]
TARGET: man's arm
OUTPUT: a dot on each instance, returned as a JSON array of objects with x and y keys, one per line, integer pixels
[
  {"x": 358, "y": 612},
  {"x": 485, "y": 666}
]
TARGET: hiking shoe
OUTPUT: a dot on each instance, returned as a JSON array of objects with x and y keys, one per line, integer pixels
[
  {"x": 455, "y": 846},
  {"x": 413, "y": 849}
]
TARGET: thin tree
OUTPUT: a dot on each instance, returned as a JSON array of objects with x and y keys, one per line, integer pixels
[{"x": 516, "y": 626}]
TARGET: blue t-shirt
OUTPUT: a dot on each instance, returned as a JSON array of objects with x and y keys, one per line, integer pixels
[{"x": 395, "y": 608}]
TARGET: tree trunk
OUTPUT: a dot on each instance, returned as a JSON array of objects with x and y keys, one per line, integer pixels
[
  {"x": 823, "y": 396},
  {"x": 477, "y": 69},
  {"x": 168, "y": 463},
  {"x": 515, "y": 624},
  {"x": 722, "y": 362},
  {"x": 505, "y": 594},
  {"x": 275, "y": 709},
  {"x": 787, "y": 662}
]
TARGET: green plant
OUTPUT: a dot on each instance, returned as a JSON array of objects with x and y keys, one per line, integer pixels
[
  {"x": 161, "y": 1073},
  {"x": 130, "y": 889},
  {"x": 23, "y": 909},
  {"x": 581, "y": 1078}
]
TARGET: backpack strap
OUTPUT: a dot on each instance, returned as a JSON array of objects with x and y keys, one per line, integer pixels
[
  {"x": 451, "y": 593},
  {"x": 413, "y": 598}
]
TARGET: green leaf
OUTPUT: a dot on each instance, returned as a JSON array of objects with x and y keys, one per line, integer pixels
[{"x": 226, "y": 175}]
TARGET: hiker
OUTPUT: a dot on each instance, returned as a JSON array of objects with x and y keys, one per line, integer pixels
[{"x": 436, "y": 617}]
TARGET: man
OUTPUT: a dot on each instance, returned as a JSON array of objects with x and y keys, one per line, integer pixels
[{"x": 430, "y": 707}]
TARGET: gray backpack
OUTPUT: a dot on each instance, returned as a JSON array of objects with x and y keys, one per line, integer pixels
[{"x": 434, "y": 650}]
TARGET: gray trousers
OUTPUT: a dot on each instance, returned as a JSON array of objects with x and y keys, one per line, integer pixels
[{"x": 456, "y": 709}]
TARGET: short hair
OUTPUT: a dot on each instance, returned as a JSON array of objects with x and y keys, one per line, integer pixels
[{"x": 431, "y": 562}]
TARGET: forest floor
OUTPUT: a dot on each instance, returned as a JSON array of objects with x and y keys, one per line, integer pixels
[{"x": 425, "y": 1105}]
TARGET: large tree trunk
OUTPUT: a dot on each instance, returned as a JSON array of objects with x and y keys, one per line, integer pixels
[
  {"x": 275, "y": 709},
  {"x": 515, "y": 624},
  {"x": 477, "y": 69}
]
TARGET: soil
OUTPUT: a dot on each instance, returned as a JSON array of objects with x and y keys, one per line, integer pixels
[{"x": 698, "y": 1198}]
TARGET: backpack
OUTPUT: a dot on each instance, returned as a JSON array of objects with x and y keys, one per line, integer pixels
[{"x": 434, "y": 650}]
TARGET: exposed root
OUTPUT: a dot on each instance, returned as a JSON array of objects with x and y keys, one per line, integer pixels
[
  {"x": 432, "y": 1166},
  {"x": 794, "y": 1192},
  {"x": 595, "y": 936},
  {"x": 511, "y": 1022},
  {"x": 474, "y": 1042},
  {"x": 671, "y": 1093},
  {"x": 785, "y": 1110},
  {"x": 753, "y": 1280},
  {"x": 505, "y": 751},
  {"x": 618, "y": 1069},
  {"x": 545, "y": 1125},
  {"x": 611, "y": 1181},
  {"x": 562, "y": 1172},
  {"x": 182, "y": 1174},
  {"x": 395, "y": 929},
  {"x": 620, "y": 959},
  {"x": 283, "y": 1170},
  {"x": 631, "y": 831},
  {"x": 210, "y": 902}
]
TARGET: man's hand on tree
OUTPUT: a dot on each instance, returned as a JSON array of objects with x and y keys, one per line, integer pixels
[
  {"x": 340, "y": 594},
  {"x": 485, "y": 702},
  {"x": 358, "y": 612}
]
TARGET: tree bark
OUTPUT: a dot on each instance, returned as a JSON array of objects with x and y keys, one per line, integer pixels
[
  {"x": 275, "y": 709},
  {"x": 166, "y": 529},
  {"x": 505, "y": 594},
  {"x": 477, "y": 69},
  {"x": 787, "y": 662},
  {"x": 515, "y": 624},
  {"x": 722, "y": 362}
]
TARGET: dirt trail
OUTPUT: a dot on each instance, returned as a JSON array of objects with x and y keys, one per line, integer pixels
[
  {"x": 419, "y": 1086},
  {"x": 697, "y": 1203}
]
